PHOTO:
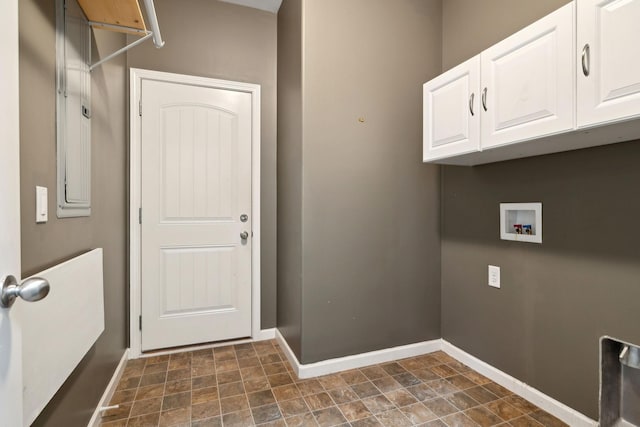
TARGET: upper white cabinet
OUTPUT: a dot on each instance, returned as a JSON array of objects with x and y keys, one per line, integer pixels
[
  {"x": 451, "y": 112},
  {"x": 527, "y": 82},
  {"x": 570, "y": 80},
  {"x": 608, "y": 61}
]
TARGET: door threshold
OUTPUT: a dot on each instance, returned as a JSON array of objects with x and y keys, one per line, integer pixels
[{"x": 266, "y": 334}]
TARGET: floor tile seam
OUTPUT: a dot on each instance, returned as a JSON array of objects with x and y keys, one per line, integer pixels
[
  {"x": 483, "y": 385},
  {"x": 486, "y": 405},
  {"x": 218, "y": 385},
  {"x": 453, "y": 413},
  {"x": 530, "y": 418},
  {"x": 307, "y": 405},
  {"x": 380, "y": 413},
  {"x": 338, "y": 408},
  {"x": 303, "y": 401}
]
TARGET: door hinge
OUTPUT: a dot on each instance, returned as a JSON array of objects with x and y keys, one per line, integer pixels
[
  {"x": 139, "y": 215},
  {"x": 140, "y": 107},
  {"x": 140, "y": 322}
]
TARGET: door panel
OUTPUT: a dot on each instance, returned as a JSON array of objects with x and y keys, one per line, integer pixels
[
  {"x": 451, "y": 112},
  {"x": 205, "y": 278},
  {"x": 529, "y": 82},
  {"x": 200, "y": 185},
  {"x": 611, "y": 90},
  {"x": 196, "y": 183},
  {"x": 10, "y": 335}
]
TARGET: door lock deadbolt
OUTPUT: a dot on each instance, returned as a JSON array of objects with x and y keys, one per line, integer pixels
[{"x": 244, "y": 217}]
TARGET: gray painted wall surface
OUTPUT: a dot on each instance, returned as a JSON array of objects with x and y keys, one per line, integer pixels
[
  {"x": 557, "y": 298},
  {"x": 469, "y": 27},
  {"x": 370, "y": 208},
  {"x": 220, "y": 40},
  {"x": 44, "y": 245},
  {"x": 290, "y": 173}
]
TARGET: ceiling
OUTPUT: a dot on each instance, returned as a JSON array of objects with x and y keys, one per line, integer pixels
[{"x": 268, "y": 5}]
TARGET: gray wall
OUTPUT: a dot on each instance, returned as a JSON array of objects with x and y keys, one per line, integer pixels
[
  {"x": 469, "y": 27},
  {"x": 557, "y": 298},
  {"x": 369, "y": 214},
  {"x": 290, "y": 173},
  {"x": 44, "y": 245},
  {"x": 220, "y": 40}
]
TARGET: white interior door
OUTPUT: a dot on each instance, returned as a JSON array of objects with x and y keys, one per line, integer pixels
[
  {"x": 196, "y": 214},
  {"x": 10, "y": 337}
]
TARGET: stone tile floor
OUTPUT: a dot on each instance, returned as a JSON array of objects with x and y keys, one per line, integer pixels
[{"x": 253, "y": 384}]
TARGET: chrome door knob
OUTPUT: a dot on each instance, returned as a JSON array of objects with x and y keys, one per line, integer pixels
[
  {"x": 33, "y": 289},
  {"x": 244, "y": 235}
]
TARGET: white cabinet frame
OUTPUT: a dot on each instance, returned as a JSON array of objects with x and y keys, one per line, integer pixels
[
  {"x": 528, "y": 82},
  {"x": 594, "y": 99},
  {"x": 608, "y": 77},
  {"x": 451, "y": 116}
]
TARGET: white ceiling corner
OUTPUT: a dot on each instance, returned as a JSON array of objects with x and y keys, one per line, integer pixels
[{"x": 268, "y": 5}]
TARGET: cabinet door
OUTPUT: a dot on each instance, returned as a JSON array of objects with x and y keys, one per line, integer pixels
[
  {"x": 528, "y": 82},
  {"x": 451, "y": 115},
  {"x": 608, "y": 60}
]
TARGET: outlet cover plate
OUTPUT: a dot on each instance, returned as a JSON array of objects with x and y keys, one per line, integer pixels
[
  {"x": 494, "y": 276},
  {"x": 42, "y": 214}
]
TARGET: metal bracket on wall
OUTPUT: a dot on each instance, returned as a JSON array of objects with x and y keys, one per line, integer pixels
[
  {"x": 147, "y": 35},
  {"x": 90, "y": 12}
]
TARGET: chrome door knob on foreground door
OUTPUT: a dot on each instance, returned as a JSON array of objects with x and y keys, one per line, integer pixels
[
  {"x": 244, "y": 235},
  {"x": 33, "y": 289}
]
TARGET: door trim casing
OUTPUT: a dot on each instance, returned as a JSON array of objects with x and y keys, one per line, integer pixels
[{"x": 136, "y": 75}]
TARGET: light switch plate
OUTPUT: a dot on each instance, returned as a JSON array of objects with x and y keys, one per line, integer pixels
[
  {"x": 42, "y": 214},
  {"x": 494, "y": 276}
]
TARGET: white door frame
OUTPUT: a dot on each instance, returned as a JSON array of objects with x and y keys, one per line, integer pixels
[{"x": 135, "y": 81}]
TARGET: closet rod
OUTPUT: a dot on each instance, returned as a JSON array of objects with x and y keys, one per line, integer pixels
[{"x": 153, "y": 22}]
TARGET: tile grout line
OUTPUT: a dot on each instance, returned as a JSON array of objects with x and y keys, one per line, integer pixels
[{"x": 475, "y": 382}]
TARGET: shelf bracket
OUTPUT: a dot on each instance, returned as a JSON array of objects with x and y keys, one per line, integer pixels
[
  {"x": 145, "y": 34},
  {"x": 148, "y": 35}
]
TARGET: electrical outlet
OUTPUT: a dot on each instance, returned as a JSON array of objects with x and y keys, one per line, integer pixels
[{"x": 494, "y": 276}]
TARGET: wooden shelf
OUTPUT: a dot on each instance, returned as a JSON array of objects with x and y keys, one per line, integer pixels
[{"x": 122, "y": 13}]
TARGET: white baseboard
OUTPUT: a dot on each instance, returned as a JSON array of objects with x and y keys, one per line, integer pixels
[
  {"x": 110, "y": 390},
  {"x": 265, "y": 334},
  {"x": 291, "y": 356},
  {"x": 552, "y": 406},
  {"x": 339, "y": 364}
]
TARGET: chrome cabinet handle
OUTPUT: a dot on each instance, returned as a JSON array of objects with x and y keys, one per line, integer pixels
[
  {"x": 471, "y": 98},
  {"x": 33, "y": 289},
  {"x": 244, "y": 235},
  {"x": 484, "y": 99},
  {"x": 586, "y": 60}
]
